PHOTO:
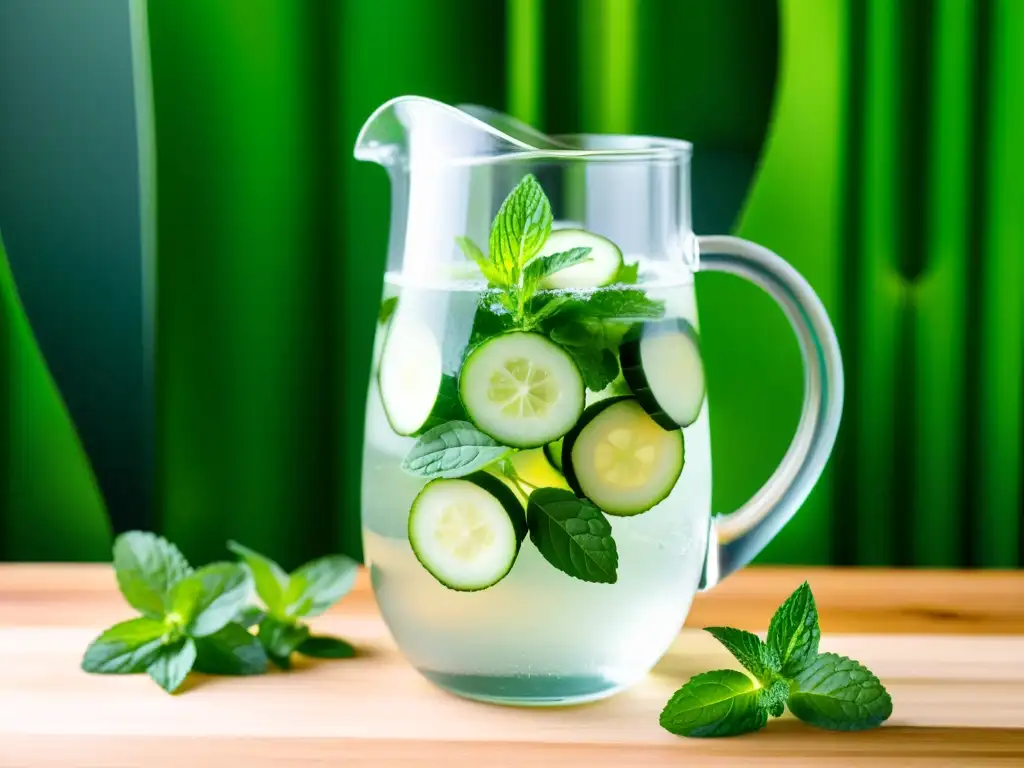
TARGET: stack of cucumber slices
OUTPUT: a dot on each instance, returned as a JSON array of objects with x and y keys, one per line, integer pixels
[{"x": 520, "y": 397}]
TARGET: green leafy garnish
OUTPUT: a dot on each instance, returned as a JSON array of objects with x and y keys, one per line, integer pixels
[
  {"x": 749, "y": 651},
  {"x": 387, "y": 309},
  {"x": 490, "y": 270},
  {"x": 822, "y": 689},
  {"x": 837, "y": 693},
  {"x": 181, "y": 606},
  {"x": 127, "y": 648},
  {"x": 513, "y": 268},
  {"x": 720, "y": 703},
  {"x": 173, "y": 664},
  {"x": 319, "y": 584},
  {"x": 592, "y": 342},
  {"x": 514, "y": 273},
  {"x": 270, "y": 580},
  {"x": 198, "y": 619},
  {"x": 204, "y": 601},
  {"x": 280, "y": 638},
  {"x": 519, "y": 230},
  {"x": 619, "y": 303},
  {"x": 249, "y": 616},
  {"x": 628, "y": 273},
  {"x": 322, "y": 647},
  {"x": 573, "y": 535},
  {"x": 540, "y": 267},
  {"x": 146, "y": 567},
  {"x": 308, "y": 591},
  {"x": 230, "y": 651},
  {"x": 793, "y": 633},
  {"x": 453, "y": 449}
]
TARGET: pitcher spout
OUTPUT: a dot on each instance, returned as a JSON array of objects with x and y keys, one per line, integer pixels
[{"x": 422, "y": 130}]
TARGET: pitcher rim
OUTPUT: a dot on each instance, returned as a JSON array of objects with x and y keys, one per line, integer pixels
[{"x": 649, "y": 147}]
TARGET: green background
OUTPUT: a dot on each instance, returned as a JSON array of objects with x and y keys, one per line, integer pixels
[{"x": 198, "y": 258}]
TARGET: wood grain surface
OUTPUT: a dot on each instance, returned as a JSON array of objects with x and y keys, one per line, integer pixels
[{"x": 949, "y": 647}]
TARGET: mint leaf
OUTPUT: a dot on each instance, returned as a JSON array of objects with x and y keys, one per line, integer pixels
[
  {"x": 599, "y": 367},
  {"x": 610, "y": 303},
  {"x": 542, "y": 307},
  {"x": 520, "y": 228},
  {"x": 721, "y": 703},
  {"x": 472, "y": 252},
  {"x": 590, "y": 342},
  {"x": 452, "y": 449},
  {"x": 173, "y": 664},
  {"x": 748, "y": 650},
  {"x": 540, "y": 267},
  {"x": 146, "y": 567},
  {"x": 270, "y": 580},
  {"x": 837, "y": 693},
  {"x": 230, "y": 650},
  {"x": 624, "y": 303},
  {"x": 126, "y": 648},
  {"x": 793, "y": 633},
  {"x": 249, "y": 616},
  {"x": 322, "y": 647},
  {"x": 628, "y": 273},
  {"x": 206, "y": 600},
  {"x": 319, "y": 584},
  {"x": 387, "y": 309},
  {"x": 492, "y": 317},
  {"x": 573, "y": 535},
  {"x": 280, "y": 638}
]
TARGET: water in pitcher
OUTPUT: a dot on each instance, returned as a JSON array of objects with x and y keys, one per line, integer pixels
[{"x": 475, "y": 602}]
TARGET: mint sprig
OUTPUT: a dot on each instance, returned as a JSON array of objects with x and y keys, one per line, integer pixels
[
  {"x": 514, "y": 271},
  {"x": 518, "y": 232},
  {"x": 512, "y": 266},
  {"x": 198, "y": 619},
  {"x": 288, "y": 598},
  {"x": 520, "y": 228},
  {"x": 824, "y": 690},
  {"x": 181, "y": 608}
]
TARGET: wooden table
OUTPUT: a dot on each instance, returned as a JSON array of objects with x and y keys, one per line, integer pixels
[{"x": 949, "y": 646}]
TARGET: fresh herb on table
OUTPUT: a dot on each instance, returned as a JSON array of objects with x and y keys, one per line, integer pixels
[
  {"x": 198, "y": 619},
  {"x": 288, "y": 598},
  {"x": 821, "y": 689}
]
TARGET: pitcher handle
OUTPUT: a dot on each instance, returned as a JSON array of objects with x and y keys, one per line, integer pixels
[{"x": 736, "y": 538}]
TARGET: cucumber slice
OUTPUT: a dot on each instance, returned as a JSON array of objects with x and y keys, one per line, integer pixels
[
  {"x": 553, "y": 453},
  {"x": 661, "y": 362},
  {"x": 467, "y": 532},
  {"x": 416, "y": 395},
  {"x": 601, "y": 267},
  {"x": 617, "y": 457},
  {"x": 522, "y": 389}
]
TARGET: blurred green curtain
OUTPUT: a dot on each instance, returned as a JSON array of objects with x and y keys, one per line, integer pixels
[
  {"x": 889, "y": 173},
  {"x": 933, "y": 261},
  {"x": 51, "y": 507}
]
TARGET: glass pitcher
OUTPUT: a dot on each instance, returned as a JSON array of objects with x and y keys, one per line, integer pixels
[{"x": 536, "y": 487}]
